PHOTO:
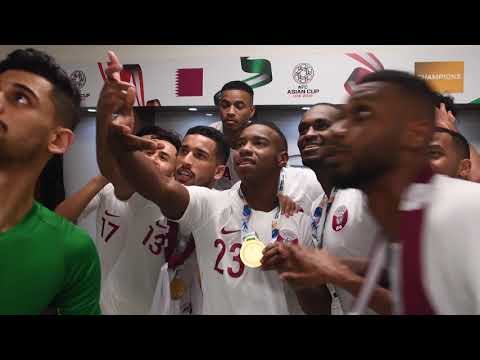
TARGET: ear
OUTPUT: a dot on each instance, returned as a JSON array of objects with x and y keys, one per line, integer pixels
[
  {"x": 252, "y": 111},
  {"x": 418, "y": 133},
  {"x": 463, "y": 171},
  {"x": 282, "y": 159},
  {"x": 60, "y": 140},
  {"x": 219, "y": 171}
]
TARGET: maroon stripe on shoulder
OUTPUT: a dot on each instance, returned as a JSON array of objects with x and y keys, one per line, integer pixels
[
  {"x": 415, "y": 301},
  {"x": 425, "y": 176}
]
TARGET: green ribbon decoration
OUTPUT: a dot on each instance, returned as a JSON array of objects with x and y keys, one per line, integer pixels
[
  {"x": 261, "y": 67},
  {"x": 476, "y": 101}
]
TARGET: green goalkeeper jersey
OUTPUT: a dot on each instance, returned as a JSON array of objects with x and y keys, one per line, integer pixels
[{"x": 47, "y": 262}]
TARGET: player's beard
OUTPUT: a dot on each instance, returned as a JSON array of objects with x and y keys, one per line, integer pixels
[
  {"x": 18, "y": 154},
  {"x": 362, "y": 173}
]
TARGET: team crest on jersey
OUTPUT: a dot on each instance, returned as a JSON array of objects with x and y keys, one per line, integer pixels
[
  {"x": 340, "y": 218},
  {"x": 286, "y": 235}
]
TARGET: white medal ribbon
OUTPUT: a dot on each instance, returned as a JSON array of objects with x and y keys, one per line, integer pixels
[{"x": 378, "y": 262}]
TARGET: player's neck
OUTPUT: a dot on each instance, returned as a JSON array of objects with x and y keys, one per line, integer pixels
[
  {"x": 231, "y": 136},
  {"x": 261, "y": 193},
  {"x": 385, "y": 193},
  {"x": 324, "y": 179},
  {"x": 17, "y": 186}
]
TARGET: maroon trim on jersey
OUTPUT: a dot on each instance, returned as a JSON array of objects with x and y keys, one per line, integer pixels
[
  {"x": 425, "y": 176},
  {"x": 415, "y": 300},
  {"x": 172, "y": 239},
  {"x": 176, "y": 260}
]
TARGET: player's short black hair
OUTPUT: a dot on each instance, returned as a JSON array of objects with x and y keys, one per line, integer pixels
[
  {"x": 233, "y": 85},
  {"x": 161, "y": 134},
  {"x": 413, "y": 87},
  {"x": 448, "y": 101},
  {"x": 461, "y": 144},
  {"x": 65, "y": 95},
  {"x": 223, "y": 149},
  {"x": 275, "y": 128}
]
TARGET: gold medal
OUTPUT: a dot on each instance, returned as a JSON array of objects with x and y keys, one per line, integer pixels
[
  {"x": 251, "y": 252},
  {"x": 177, "y": 288}
]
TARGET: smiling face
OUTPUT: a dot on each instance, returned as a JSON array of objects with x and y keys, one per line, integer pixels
[{"x": 311, "y": 131}]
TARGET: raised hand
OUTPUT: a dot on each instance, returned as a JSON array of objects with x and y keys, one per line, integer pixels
[
  {"x": 118, "y": 97},
  {"x": 120, "y": 130},
  {"x": 445, "y": 119}
]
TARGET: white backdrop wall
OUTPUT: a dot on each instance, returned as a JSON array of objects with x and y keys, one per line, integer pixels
[{"x": 330, "y": 67}]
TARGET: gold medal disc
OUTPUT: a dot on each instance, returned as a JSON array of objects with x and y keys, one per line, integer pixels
[
  {"x": 177, "y": 288},
  {"x": 251, "y": 253}
]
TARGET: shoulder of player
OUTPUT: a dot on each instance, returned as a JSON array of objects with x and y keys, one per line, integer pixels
[
  {"x": 71, "y": 236},
  {"x": 347, "y": 197},
  {"x": 301, "y": 218},
  {"x": 455, "y": 200},
  {"x": 213, "y": 194},
  {"x": 299, "y": 173}
]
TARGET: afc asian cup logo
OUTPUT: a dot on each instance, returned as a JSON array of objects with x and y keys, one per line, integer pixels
[
  {"x": 287, "y": 236},
  {"x": 340, "y": 218},
  {"x": 78, "y": 78},
  {"x": 303, "y": 73}
]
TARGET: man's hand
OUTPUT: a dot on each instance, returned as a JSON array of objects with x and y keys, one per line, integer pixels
[
  {"x": 274, "y": 258},
  {"x": 114, "y": 90},
  {"x": 445, "y": 119},
  {"x": 287, "y": 206},
  {"x": 118, "y": 97},
  {"x": 310, "y": 268}
]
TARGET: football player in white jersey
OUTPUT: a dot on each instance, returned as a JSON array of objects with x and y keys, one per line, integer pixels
[
  {"x": 200, "y": 161},
  {"x": 149, "y": 239},
  {"x": 149, "y": 266},
  {"x": 236, "y": 110},
  {"x": 224, "y": 222},
  {"x": 381, "y": 147},
  {"x": 341, "y": 223},
  {"x": 119, "y": 219}
]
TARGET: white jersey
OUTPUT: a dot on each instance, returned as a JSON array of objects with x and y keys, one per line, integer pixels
[
  {"x": 348, "y": 231},
  {"x": 130, "y": 285},
  {"x": 229, "y": 287},
  {"x": 301, "y": 184},
  {"x": 191, "y": 301},
  {"x": 449, "y": 243},
  {"x": 111, "y": 221},
  {"x": 230, "y": 176}
]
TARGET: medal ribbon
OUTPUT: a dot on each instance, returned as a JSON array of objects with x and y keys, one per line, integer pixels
[
  {"x": 182, "y": 252},
  {"x": 323, "y": 207},
  {"x": 247, "y": 212}
]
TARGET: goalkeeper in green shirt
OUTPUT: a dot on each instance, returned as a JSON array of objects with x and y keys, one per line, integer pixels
[{"x": 45, "y": 261}]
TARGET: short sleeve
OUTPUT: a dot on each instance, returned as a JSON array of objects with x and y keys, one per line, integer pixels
[
  {"x": 80, "y": 294},
  {"x": 200, "y": 208}
]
